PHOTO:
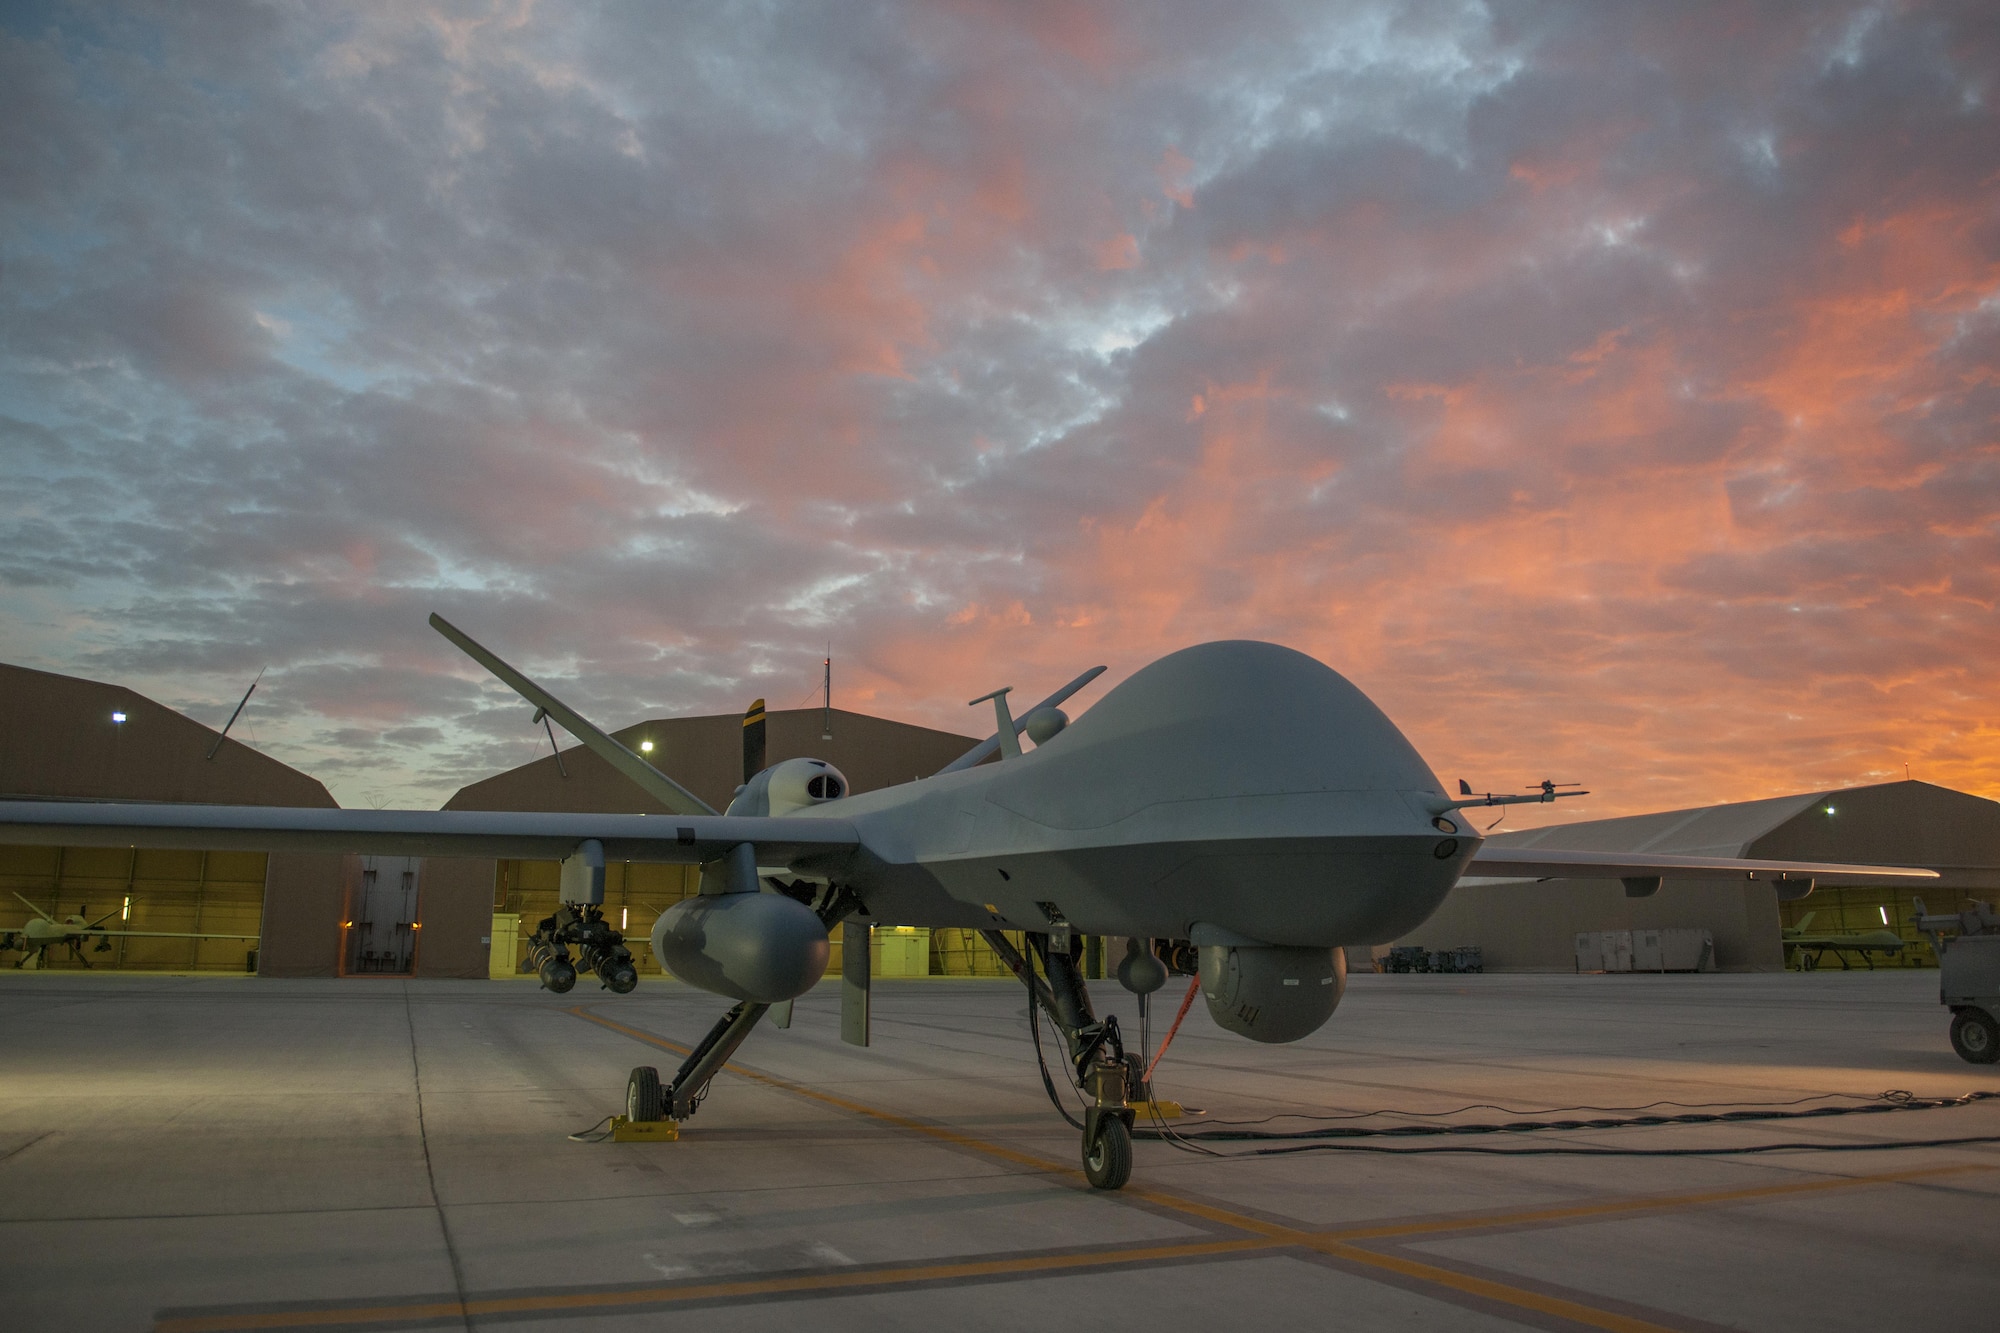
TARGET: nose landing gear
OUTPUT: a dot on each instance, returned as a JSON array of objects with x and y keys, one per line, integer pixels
[
  {"x": 1107, "y": 1131},
  {"x": 1095, "y": 1049}
]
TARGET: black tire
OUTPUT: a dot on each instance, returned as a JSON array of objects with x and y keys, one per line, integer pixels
[
  {"x": 644, "y": 1099},
  {"x": 1107, "y": 1163},
  {"x": 1975, "y": 1036}
]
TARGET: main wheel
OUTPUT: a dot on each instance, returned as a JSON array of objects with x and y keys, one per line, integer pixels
[
  {"x": 1975, "y": 1036},
  {"x": 1107, "y": 1163},
  {"x": 643, "y": 1098}
]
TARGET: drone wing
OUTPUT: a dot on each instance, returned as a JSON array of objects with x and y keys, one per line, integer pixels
[
  {"x": 1642, "y": 871},
  {"x": 806, "y": 845},
  {"x": 36, "y": 910},
  {"x": 172, "y": 935}
]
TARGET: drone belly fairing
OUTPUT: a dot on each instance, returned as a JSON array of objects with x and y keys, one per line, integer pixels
[{"x": 1317, "y": 892}]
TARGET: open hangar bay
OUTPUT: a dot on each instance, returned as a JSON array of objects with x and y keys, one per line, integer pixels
[{"x": 184, "y": 1153}]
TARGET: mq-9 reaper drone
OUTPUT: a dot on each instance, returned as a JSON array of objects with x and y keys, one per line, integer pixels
[{"x": 1240, "y": 805}]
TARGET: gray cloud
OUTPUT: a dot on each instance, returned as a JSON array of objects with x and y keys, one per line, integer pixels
[{"x": 1529, "y": 362}]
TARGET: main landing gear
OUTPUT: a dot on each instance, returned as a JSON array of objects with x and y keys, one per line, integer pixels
[
  {"x": 1113, "y": 1078},
  {"x": 647, "y": 1099}
]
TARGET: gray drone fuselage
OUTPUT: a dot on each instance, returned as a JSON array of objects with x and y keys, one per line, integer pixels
[{"x": 1236, "y": 790}]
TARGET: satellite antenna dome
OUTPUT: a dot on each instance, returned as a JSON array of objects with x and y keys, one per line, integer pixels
[{"x": 1044, "y": 723}]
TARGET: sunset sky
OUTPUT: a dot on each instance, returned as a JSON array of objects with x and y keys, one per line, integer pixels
[{"x": 1610, "y": 390}]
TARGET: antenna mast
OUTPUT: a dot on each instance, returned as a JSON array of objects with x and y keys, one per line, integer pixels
[
  {"x": 224, "y": 733},
  {"x": 826, "y": 725}
]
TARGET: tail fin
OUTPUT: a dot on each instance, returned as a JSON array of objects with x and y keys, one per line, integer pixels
[{"x": 663, "y": 788}]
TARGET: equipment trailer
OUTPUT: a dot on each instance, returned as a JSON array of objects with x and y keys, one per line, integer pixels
[{"x": 1968, "y": 976}]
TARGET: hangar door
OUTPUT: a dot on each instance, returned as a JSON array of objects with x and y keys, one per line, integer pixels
[{"x": 383, "y": 925}]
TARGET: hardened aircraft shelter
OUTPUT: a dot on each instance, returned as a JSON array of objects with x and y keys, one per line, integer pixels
[{"x": 1532, "y": 926}]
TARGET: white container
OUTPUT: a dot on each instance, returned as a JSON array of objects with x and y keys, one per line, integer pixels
[
  {"x": 1604, "y": 951},
  {"x": 1589, "y": 958}
]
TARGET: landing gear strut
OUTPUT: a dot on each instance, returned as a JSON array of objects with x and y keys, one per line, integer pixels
[
  {"x": 645, "y": 1099},
  {"x": 1096, "y": 1049}
]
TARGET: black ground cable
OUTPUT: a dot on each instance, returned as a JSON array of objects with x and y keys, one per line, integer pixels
[
  {"x": 597, "y": 1133},
  {"x": 1894, "y": 1100},
  {"x": 1041, "y": 1061},
  {"x": 1894, "y": 1094},
  {"x": 1882, "y": 1146},
  {"x": 1162, "y": 1132}
]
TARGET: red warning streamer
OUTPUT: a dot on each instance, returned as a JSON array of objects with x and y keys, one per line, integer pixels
[{"x": 1193, "y": 986}]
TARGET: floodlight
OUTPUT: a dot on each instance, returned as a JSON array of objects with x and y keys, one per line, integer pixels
[
  {"x": 1885, "y": 916},
  {"x": 645, "y": 747},
  {"x": 117, "y": 717}
]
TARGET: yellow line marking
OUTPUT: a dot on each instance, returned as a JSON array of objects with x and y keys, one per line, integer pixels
[
  {"x": 1651, "y": 1203},
  {"x": 1587, "y": 1315},
  {"x": 939, "y": 1132},
  {"x": 1337, "y": 1244},
  {"x": 707, "y": 1291}
]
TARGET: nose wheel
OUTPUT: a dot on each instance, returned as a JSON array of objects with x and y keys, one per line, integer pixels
[{"x": 1107, "y": 1159}]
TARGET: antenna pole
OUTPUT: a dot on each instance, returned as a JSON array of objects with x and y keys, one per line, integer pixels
[
  {"x": 224, "y": 733},
  {"x": 826, "y": 725}
]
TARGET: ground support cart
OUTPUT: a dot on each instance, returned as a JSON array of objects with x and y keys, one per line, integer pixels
[{"x": 1968, "y": 977}]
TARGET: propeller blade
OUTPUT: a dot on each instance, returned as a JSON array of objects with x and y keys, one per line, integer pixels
[{"x": 753, "y": 740}]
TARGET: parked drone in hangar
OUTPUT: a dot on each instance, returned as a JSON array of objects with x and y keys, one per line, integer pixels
[
  {"x": 1239, "y": 803},
  {"x": 44, "y": 931}
]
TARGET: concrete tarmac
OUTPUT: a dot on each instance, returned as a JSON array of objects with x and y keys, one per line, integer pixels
[{"x": 205, "y": 1153}]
